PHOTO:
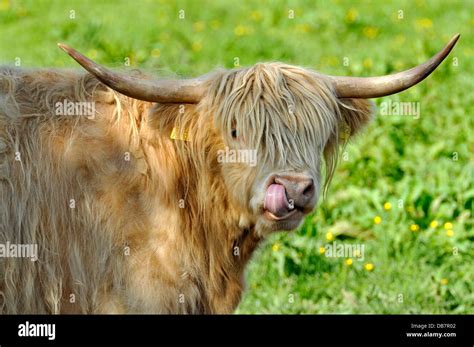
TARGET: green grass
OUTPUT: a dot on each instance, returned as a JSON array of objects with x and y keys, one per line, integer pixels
[{"x": 398, "y": 159}]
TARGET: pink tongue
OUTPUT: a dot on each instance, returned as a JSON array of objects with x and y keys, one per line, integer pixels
[{"x": 276, "y": 201}]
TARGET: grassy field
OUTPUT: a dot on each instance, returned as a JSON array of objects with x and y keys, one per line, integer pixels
[{"x": 404, "y": 189}]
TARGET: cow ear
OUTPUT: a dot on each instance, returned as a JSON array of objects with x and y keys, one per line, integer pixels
[{"x": 355, "y": 115}]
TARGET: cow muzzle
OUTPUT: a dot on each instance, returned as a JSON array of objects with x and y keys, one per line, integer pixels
[{"x": 289, "y": 196}]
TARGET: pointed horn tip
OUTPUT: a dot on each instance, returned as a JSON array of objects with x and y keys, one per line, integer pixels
[
  {"x": 66, "y": 48},
  {"x": 450, "y": 45},
  {"x": 62, "y": 46},
  {"x": 453, "y": 41},
  {"x": 455, "y": 38}
]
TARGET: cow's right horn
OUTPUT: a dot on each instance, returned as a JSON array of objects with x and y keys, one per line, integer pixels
[
  {"x": 374, "y": 87},
  {"x": 164, "y": 91}
]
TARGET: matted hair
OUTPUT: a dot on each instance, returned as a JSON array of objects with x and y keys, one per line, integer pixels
[{"x": 291, "y": 115}]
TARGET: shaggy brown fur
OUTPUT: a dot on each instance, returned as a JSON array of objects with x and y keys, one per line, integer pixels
[{"x": 127, "y": 219}]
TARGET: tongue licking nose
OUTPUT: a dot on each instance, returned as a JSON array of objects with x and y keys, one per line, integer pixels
[{"x": 276, "y": 201}]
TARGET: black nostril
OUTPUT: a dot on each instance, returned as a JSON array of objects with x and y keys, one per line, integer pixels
[
  {"x": 309, "y": 188},
  {"x": 299, "y": 188}
]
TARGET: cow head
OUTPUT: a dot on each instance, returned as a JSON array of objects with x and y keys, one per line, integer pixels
[
  {"x": 277, "y": 122},
  {"x": 274, "y": 122}
]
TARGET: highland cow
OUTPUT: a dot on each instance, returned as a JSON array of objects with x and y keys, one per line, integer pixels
[{"x": 117, "y": 182}]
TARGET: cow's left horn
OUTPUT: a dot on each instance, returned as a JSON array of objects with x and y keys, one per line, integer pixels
[
  {"x": 374, "y": 87},
  {"x": 165, "y": 91}
]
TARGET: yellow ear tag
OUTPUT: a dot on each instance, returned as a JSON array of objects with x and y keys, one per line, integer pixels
[
  {"x": 176, "y": 134},
  {"x": 344, "y": 132}
]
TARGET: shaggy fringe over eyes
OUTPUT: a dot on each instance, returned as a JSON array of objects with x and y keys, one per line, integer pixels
[{"x": 290, "y": 115}]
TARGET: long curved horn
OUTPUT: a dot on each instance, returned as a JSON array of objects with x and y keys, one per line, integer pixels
[
  {"x": 164, "y": 91},
  {"x": 374, "y": 87}
]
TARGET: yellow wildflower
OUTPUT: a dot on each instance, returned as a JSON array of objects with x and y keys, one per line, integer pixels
[
  {"x": 367, "y": 63},
  {"x": 199, "y": 26},
  {"x": 369, "y": 266},
  {"x": 256, "y": 16},
  {"x": 351, "y": 15},
  {"x": 370, "y": 32},
  {"x": 303, "y": 28},
  {"x": 4, "y": 5},
  {"x": 241, "y": 30},
  {"x": 424, "y": 23},
  {"x": 156, "y": 53},
  {"x": 196, "y": 46}
]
